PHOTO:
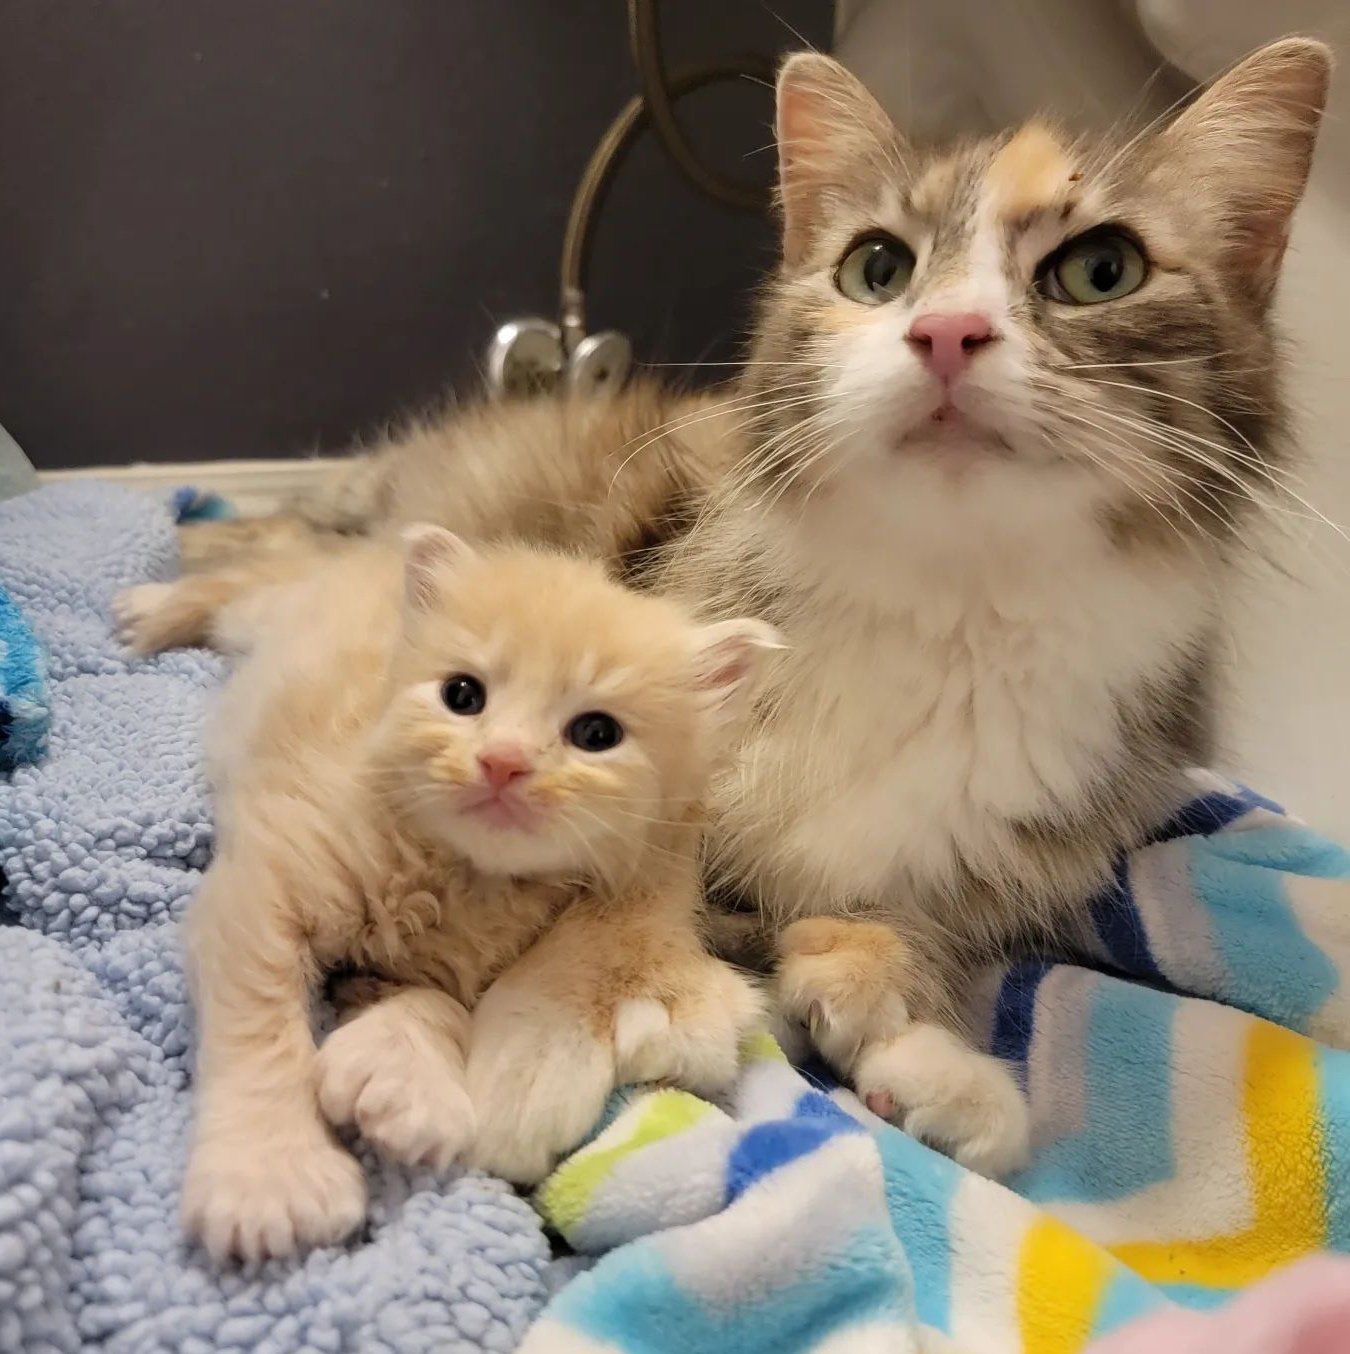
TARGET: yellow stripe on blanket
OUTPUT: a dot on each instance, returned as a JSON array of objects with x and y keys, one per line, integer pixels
[
  {"x": 1281, "y": 1111},
  {"x": 1060, "y": 1281}
]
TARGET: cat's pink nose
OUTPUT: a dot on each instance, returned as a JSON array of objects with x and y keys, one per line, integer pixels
[
  {"x": 946, "y": 343},
  {"x": 503, "y": 764}
]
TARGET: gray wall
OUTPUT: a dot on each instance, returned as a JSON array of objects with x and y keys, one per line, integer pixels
[{"x": 261, "y": 227}]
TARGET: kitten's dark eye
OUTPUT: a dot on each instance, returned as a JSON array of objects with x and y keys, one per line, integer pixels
[
  {"x": 464, "y": 695},
  {"x": 1102, "y": 265},
  {"x": 875, "y": 271},
  {"x": 595, "y": 731}
]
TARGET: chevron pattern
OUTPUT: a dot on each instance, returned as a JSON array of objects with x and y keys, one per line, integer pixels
[{"x": 1192, "y": 1126}]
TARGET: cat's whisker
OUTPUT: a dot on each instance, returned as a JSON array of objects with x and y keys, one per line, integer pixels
[
  {"x": 720, "y": 410},
  {"x": 1146, "y": 362},
  {"x": 1193, "y": 445},
  {"x": 1108, "y": 467},
  {"x": 739, "y": 365}
]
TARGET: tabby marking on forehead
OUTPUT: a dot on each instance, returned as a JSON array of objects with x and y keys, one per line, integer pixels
[{"x": 1032, "y": 172}]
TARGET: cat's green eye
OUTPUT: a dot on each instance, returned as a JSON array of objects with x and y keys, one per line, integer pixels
[
  {"x": 875, "y": 270},
  {"x": 1102, "y": 265}
]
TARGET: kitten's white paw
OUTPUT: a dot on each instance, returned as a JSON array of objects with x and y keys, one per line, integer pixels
[
  {"x": 953, "y": 1097},
  {"x": 135, "y": 611},
  {"x": 538, "y": 1081},
  {"x": 401, "y": 1091},
  {"x": 695, "y": 1042},
  {"x": 266, "y": 1197},
  {"x": 838, "y": 978}
]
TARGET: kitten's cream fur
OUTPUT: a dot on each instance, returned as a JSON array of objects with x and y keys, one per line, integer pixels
[
  {"x": 351, "y": 834},
  {"x": 1001, "y": 629}
]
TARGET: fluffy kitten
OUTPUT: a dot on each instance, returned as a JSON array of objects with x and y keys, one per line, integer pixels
[
  {"x": 449, "y": 770},
  {"x": 1012, "y": 408}
]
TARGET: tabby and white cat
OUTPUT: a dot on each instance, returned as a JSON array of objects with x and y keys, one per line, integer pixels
[{"x": 1010, "y": 409}]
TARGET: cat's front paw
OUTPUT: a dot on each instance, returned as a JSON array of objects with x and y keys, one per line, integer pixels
[
  {"x": 402, "y": 1093},
  {"x": 843, "y": 980},
  {"x": 692, "y": 1039},
  {"x": 268, "y": 1197},
  {"x": 953, "y": 1097},
  {"x": 538, "y": 1082},
  {"x": 138, "y": 614}
]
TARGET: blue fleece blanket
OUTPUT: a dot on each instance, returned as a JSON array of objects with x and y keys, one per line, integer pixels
[{"x": 102, "y": 845}]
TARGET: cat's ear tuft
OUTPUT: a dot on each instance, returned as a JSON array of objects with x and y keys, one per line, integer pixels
[
  {"x": 430, "y": 555},
  {"x": 830, "y": 131},
  {"x": 728, "y": 656},
  {"x": 1247, "y": 143}
]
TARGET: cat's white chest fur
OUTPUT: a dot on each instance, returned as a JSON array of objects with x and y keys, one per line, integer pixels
[{"x": 920, "y": 716}]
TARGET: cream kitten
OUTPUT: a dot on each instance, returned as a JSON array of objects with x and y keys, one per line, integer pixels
[
  {"x": 1012, "y": 412},
  {"x": 458, "y": 772}
]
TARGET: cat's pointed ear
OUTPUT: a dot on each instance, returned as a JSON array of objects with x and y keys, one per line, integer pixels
[
  {"x": 430, "y": 555},
  {"x": 1246, "y": 143},
  {"x": 727, "y": 658},
  {"x": 830, "y": 130}
]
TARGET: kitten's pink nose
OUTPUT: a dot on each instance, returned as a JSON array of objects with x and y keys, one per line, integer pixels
[
  {"x": 503, "y": 764},
  {"x": 947, "y": 342}
]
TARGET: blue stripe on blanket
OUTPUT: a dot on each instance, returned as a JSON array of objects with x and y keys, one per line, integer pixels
[
  {"x": 766, "y": 1147},
  {"x": 1333, "y": 1077},
  {"x": 1259, "y": 940},
  {"x": 641, "y": 1303},
  {"x": 1285, "y": 846},
  {"x": 1121, "y": 930},
  {"x": 1015, "y": 1010},
  {"x": 1125, "y": 1144},
  {"x": 1212, "y": 813},
  {"x": 920, "y": 1187},
  {"x": 1115, "y": 914}
]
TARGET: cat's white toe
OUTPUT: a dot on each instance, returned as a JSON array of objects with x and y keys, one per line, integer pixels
[
  {"x": 953, "y": 1097},
  {"x": 399, "y": 1090},
  {"x": 695, "y": 1041},
  {"x": 266, "y": 1199}
]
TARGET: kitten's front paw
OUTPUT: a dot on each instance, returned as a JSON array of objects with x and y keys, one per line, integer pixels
[
  {"x": 842, "y": 980},
  {"x": 266, "y": 1198},
  {"x": 538, "y": 1083},
  {"x": 137, "y": 612},
  {"x": 694, "y": 1040},
  {"x": 951, "y": 1096},
  {"x": 398, "y": 1089}
]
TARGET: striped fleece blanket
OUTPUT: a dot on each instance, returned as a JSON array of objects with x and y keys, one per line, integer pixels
[{"x": 1192, "y": 1131}]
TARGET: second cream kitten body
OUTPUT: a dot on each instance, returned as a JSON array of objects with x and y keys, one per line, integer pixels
[{"x": 348, "y": 792}]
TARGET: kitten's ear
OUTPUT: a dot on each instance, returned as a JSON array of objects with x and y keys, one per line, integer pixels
[
  {"x": 1247, "y": 142},
  {"x": 429, "y": 555},
  {"x": 728, "y": 655},
  {"x": 830, "y": 132}
]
